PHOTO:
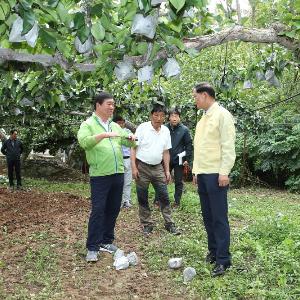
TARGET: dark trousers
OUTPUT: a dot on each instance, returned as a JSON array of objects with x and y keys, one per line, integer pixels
[
  {"x": 11, "y": 166},
  {"x": 106, "y": 197},
  {"x": 178, "y": 176},
  {"x": 214, "y": 208}
]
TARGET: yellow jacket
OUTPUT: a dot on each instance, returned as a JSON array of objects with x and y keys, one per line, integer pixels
[{"x": 214, "y": 142}]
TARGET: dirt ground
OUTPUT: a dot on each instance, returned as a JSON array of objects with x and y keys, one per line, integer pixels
[{"x": 31, "y": 219}]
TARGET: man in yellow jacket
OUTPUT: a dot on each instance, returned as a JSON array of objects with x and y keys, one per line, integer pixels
[{"x": 214, "y": 156}]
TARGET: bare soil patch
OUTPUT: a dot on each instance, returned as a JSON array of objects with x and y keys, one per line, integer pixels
[{"x": 32, "y": 220}]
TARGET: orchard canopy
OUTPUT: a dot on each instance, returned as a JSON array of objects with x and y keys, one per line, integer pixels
[{"x": 56, "y": 54}]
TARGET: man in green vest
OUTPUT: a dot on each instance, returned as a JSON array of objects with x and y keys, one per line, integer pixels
[{"x": 102, "y": 141}]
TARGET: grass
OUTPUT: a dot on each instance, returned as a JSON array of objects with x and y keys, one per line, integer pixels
[
  {"x": 39, "y": 268},
  {"x": 77, "y": 188},
  {"x": 265, "y": 246},
  {"x": 265, "y": 227}
]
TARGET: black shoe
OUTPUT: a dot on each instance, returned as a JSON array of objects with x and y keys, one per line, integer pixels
[
  {"x": 172, "y": 229},
  {"x": 156, "y": 204},
  {"x": 175, "y": 205},
  {"x": 147, "y": 229},
  {"x": 219, "y": 270},
  {"x": 210, "y": 258}
]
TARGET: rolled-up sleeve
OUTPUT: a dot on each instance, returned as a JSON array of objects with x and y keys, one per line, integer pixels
[
  {"x": 85, "y": 138},
  {"x": 227, "y": 140}
]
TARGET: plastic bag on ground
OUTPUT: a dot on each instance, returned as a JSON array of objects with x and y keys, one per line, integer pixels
[
  {"x": 175, "y": 263},
  {"x": 132, "y": 258},
  {"x": 118, "y": 254},
  {"x": 145, "y": 26},
  {"x": 188, "y": 274},
  {"x": 121, "y": 263}
]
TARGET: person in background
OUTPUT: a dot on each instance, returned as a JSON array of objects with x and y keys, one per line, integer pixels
[
  {"x": 214, "y": 156},
  {"x": 154, "y": 142},
  {"x": 12, "y": 148},
  {"x": 102, "y": 141},
  {"x": 126, "y": 198},
  {"x": 181, "y": 142}
]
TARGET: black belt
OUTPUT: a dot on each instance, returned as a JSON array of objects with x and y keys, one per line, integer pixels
[
  {"x": 148, "y": 164},
  {"x": 125, "y": 157}
]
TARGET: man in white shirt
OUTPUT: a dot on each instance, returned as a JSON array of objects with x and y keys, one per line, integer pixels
[{"x": 154, "y": 142}]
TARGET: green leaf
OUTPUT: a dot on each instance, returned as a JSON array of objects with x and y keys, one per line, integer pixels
[
  {"x": 103, "y": 48},
  {"x": 4, "y": 10},
  {"x": 178, "y": 4},
  {"x": 106, "y": 23},
  {"x": 145, "y": 4},
  {"x": 2, "y": 15},
  {"x": 176, "y": 26},
  {"x": 174, "y": 41},
  {"x": 297, "y": 24},
  {"x": 96, "y": 10},
  {"x": 11, "y": 20},
  {"x": 290, "y": 34},
  {"x": 28, "y": 20},
  {"x": 158, "y": 63},
  {"x": 53, "y": 3},
  {"x": 122, "y": 35},
  {"x": 2, "y": 29},
  {"x": 192, "y": 52},
  {"x": 63, "y": 14},
  {"x": 98, "y": 31},
  {"x": 26, "y": 4},
  {"x": 79, "y": 20},
  {"x": 83, "y": 34},
  {"x": 155, "y": 49},
  {"x": 142, "y": 48},
  {"x": 65, "y": 49},
  {"x": 130, "y": 14},
  {"x": 12, "y": 3},
  {"x": 48, "y": 38}
]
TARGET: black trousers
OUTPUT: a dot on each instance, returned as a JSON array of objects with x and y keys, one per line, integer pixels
[
  {"x": 106, "y": 196},
  {"x": 178, "y": 176},
  {"x": 14, "y": 165},
  {"x": 214, "y": 207}
]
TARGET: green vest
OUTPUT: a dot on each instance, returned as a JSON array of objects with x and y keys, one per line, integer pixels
[{"x": 104, "y": 157}]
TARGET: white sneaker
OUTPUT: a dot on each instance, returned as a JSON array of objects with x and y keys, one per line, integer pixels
[
  {"x": 91, "y": 256},
  {"x": 110, "y": 248}
]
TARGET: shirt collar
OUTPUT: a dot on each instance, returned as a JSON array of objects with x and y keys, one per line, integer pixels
[
  {"x": 100, "y": 120},
  {"x": 212, "y": 108},
  {"x": 152, "y": 128}
]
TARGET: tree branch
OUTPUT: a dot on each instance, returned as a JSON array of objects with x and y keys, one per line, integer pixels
[
  {"x": 240, "y": 33},
  {"x": 236, "y": 33}
]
